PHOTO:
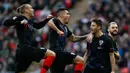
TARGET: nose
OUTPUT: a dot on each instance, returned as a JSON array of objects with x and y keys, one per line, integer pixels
[
  {"x": 33, "y": 10},
  {"x": 115, "y": 28},
  {"x": 68, "y": 16}
]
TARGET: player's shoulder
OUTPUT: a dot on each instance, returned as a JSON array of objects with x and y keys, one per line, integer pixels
[
  {"x": 107, "y": 37},
  {"x": 18, "y": 17},
  {"x": 55, "y": 19}
]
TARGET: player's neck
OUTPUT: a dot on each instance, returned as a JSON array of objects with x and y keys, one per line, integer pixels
[
  {"x": 28, "y": 17},
  {"x": 99, "y": 33},
  {"x": 62, "y": 21}
]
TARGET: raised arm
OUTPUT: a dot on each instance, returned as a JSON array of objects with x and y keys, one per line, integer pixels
[
  {"x": 74, "y": 38},
  {"x": 11, "y": 22},
  {"x": 53, "y": 26},
  {"x": 85, "y": 56},
  {"x": 41, "y": 24},
  {"x": 14, "y": 21}
]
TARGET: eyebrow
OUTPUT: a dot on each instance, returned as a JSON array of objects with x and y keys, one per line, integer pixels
[
  {"x": 114, "y": 27},
  {"x": 68, "y": 12}
]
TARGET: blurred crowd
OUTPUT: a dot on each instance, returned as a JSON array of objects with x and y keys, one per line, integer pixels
[{"x": 106, "y": 10}]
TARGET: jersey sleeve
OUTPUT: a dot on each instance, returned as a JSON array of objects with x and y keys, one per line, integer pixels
[
  {"x": 69, "y": 33},
  {"x": 110, "y": 45},
  {"x": 11, "y": 21},
  {"x": 41, "y": 24},
  {"x": 16, "y": 20},
  {"x": 116, "y": 48},
  {"x": 56, "y": 22}
]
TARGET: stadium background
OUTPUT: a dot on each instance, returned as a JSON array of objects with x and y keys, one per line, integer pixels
[{"x": 82, "y": 12}]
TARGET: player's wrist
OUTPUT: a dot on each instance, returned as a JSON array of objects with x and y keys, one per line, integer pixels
[
  {"x": 58, "y": 31},
  {"x": 49, "y": 17},
  {"x": 24, "y": 21}
]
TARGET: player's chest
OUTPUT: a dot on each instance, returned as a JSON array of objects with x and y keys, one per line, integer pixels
[
  {"x": 98, "y": 44},
  {"x": 28, "y": 27},
  {"x": 64, "y": 29}
]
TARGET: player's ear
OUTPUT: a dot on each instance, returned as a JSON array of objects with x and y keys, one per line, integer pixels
[
  {"x": 61, "y": 14},
  {"x": 26, "y": 10}
]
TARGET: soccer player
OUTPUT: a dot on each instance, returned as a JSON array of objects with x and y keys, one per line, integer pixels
[
  {"x": 27, "y": 51},
  {"x": 57, "y": 44},
  {"x": 112, "y": 32},
  {"x": 99, "y": 56}
]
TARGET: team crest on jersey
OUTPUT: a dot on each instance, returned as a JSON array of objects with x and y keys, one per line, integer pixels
[
  {"x": 42, "y": 48},
  {"x": 101, "y": 42},
  {"x": 14, "y": 17},
  {"x": 72, "y": 53},
  {"x": 65, "y": 29}
]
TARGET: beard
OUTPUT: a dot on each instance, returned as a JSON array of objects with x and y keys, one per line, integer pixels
[
  {"x": 66, "y": 22},
  {"x": 113, "y": 34},
  {"x": 94, "y": 33}
]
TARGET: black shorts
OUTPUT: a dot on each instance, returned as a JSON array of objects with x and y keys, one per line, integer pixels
[
  {"x": 95, "y": 70},
  {"x": 25, "y": 56},
  {"x": 62, "y": 59}
]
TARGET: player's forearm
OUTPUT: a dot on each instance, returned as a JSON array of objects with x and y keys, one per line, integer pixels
[
  {"x": 117, "y": 55},
  {"x": 41, "y": 24},
  {"x": 53, "y": 26},
  {"x": 85, "y": 58},
  {"x": 112, "y": 60},
  {"x": 79, "y": 38}
]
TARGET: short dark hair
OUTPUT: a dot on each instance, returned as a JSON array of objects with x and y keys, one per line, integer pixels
[
  {"x": 98, "y": 22},
  {"x": 60, "y": 10}
]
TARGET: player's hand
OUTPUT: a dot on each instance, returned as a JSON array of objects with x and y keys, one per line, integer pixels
[
  {"x": 117, "y": 56},
  {"x": 89, "y": 37},
  {"x": 24, "y": 21},
  {"x": 112, "y": 72},
  {"x": 49, "y": 16},
  {"x": 60, "y": 33}
]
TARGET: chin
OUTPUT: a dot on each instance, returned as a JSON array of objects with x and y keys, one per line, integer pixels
[
  {"x": 32, "y": 15},
  {"x": 66, "y": 22},
  {"x": 113, "y": 34},
  {"x": 92, "y": 32}
]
